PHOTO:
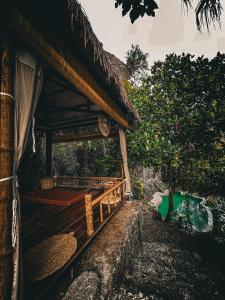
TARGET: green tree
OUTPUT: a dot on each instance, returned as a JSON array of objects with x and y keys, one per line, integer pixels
[
  {"x": 207, "y": 11},
  {"x": 136, "y": 61},
  {"x": 183, "y": 121}
]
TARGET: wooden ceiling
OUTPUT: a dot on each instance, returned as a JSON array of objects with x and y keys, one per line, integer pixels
[{"x": 61, "y": 105}]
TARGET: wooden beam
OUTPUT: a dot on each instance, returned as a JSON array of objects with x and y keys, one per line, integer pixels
[
  {"x": 68, "y": 124},
  {"x": 66, "y": 85},
  {"x": 55, "y": 92},
  {"x": 82, "y": 137},
  {"x": 68, "y": 66},
  {"x": 56, "y": 109},
  {"x": 48, "y": 153},
  {"x": 6, "y": 163},
  {"x": 72, "y": 123},
  {"x": 87, "y": 106}
]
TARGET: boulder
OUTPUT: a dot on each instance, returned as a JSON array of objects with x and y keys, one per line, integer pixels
[{"x": 84, "y": 287}]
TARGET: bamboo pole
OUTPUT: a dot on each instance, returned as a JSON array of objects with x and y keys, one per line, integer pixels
[
  {"x": 92, "y": 178},
  {"x": 69, "y": 67},
  {"x": 122, "y": 191},
  {"x": 109, "y": 199},
  {"x": 6, "y": 162},
  {"x": 101, "y": 213},
  {"x": 122, "y": 171},
  {"x": 114, "y": 195},
  {"x": 89, "y": 214},
  {"x": 48, "y": 153}
]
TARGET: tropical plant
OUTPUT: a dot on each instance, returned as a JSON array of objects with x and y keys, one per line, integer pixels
[
  {"x": 207, "y": 11},
  {"x": 183, "y": 122},
  {"x": 136, "y": 61}
]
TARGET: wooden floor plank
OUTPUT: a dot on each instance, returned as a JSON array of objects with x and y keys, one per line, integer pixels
[{"x": 40, "y": 221}]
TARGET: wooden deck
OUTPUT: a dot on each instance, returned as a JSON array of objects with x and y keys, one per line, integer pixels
[{"x": 40, "y": 221}]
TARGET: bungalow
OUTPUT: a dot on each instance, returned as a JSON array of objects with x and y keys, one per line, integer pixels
[{"x": 55, "y": 78}]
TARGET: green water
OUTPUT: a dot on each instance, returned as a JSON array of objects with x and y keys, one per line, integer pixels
[{"x": 185, "y": 207}]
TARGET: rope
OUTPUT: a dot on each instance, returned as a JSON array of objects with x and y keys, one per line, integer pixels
[
  {"x": 6, "y": 94},
  {"x": 33, "y": 135},
  {"x": 14, "y": 177},
  {"x": 8, "y": 178}
]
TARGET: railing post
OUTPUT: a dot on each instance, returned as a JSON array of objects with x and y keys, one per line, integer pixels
[
  {"x": 89, "y": 214},
  {"x": 101, "y": 212},
  {"x": 122, "y": 191},
  {"x": 109, "y": 199}
]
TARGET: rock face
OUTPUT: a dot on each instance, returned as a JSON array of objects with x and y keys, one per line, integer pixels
[
  {"x": 113, "y": 248},
  {"x": 167, "y": 267},
  {"x": 131, "y": 259},
  {"x": 84, "y": 287},
  {"x": 152, "y": 180}
]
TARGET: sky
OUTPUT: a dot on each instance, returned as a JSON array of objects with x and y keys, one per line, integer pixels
[{"x": 172, "y": 30}]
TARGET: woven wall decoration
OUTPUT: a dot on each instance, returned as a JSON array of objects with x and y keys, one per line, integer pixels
[{"x": 104, "y": 125}]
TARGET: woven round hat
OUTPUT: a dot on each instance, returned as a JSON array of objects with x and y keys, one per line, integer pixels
[
  {"x": 111, "y": 200},
  {"x": 49, "y": 256}
]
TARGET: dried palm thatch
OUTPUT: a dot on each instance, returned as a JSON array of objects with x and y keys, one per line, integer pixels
[
  {"x": 118, "y": 66},
  {"x": 115, "y": 71}
]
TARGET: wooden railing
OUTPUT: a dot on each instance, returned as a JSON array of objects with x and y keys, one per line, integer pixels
[
  {"x": 86, "y": 182},
  {"x": 113, "y": 194},
  {"x": 111, "y": 197}
]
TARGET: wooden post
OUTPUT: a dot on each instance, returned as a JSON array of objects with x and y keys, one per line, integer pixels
[
  {"x": 115, "y": 197},
  {"x": 6, "y": 162},
  {"x": 109, "y": 199},
  {"x": 122, "y": 191},
  {"x": 122, "y": 171},
  {"x": 101, "y": 212},
  {"x": 89, "y": 214},
  {"x": 48, "y": 153}
]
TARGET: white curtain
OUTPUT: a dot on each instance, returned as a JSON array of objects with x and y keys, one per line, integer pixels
[
  {"x": 28, "y": 84},
  {"x": 123, "y": 147},
  {"x": 27, "y": 88}
]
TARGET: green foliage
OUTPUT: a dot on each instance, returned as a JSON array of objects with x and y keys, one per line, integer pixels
[
  {"x": 90, "y": 158},
  {"x": 137, "y": 62},
  {"x": 183, "y": 121},
  {"x": 207, "y": 11},
  {"x": 137, "y": 188},
  {"x": 137, "y": 8}
]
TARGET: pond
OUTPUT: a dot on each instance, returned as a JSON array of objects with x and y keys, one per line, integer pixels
[{"x": 189, "y": 211}]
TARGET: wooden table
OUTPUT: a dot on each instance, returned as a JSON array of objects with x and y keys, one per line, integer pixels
[{"x": 65, "y": 196}]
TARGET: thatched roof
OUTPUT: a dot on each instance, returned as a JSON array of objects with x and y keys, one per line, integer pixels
[
  {"x": 118, "y": 66},
  {"x": 66, "y": 20},
  {"x": 114, "y": 69}
]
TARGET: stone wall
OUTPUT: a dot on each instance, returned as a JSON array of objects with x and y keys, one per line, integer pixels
[{"x": 109, "y": 254}]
